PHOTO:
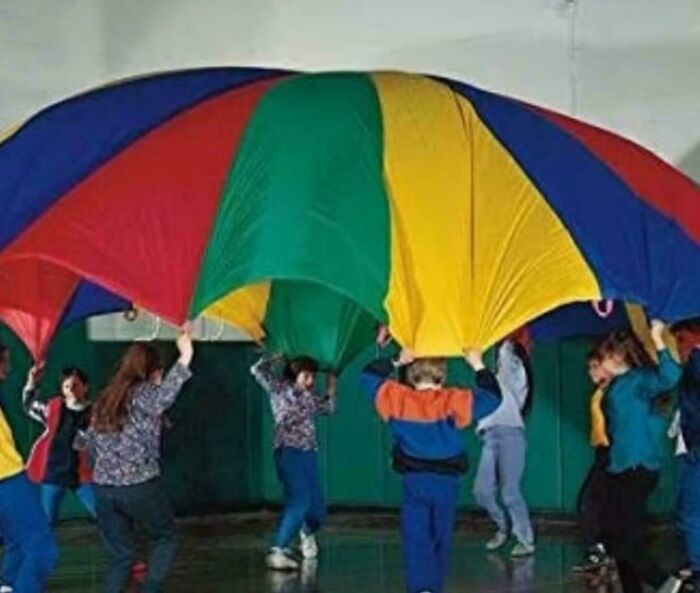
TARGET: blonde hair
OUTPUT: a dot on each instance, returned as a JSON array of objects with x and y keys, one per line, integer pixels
[{"x": 427, "y": 370}]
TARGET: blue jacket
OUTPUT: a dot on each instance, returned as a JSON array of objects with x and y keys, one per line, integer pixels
[
  {"x": 427, "y": 425},
  {"x": 636, "y": 430}
]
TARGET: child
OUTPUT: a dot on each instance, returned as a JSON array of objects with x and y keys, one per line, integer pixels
[
  {"x": 295, "y": 404},
  {"x": 124, "y": 440},
  {"x": 591, "y": 499},
  {"x": 31, "y": 552},
  {"x": 636, "y": 435},
  {"x": 53, "y": 462},
  {"x": 427, "y": 419},
  {"x": 688, "y": 337},
  {"x": 503, "y": 455}
]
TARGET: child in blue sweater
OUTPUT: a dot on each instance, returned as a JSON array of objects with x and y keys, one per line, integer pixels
[
  {"x": 636, "y": 435},
  {"x": 427, "y": 419}
]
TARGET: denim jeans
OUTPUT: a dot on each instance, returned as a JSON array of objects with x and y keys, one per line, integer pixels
[
  {"x": 304, "y": 507},
  {"x": 501, "y": 468},
  {"x": 121, "y": 509},
  {"x": 52, "y": 496}
]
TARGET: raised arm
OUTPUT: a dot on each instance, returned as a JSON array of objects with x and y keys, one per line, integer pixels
[
  {"x": 668, "y": 373},
  {"x": 164, "y": 395},
  {"x": 512, "y": 376},
  {"x": 32, "y": 405},
  {"x": 487, "y": 394},
  {"x": 265, "y": 373},
  {"x": 380, "y": 370}
]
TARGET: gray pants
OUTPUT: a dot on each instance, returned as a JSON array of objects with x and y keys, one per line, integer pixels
[{"x": 501, "y": 468}]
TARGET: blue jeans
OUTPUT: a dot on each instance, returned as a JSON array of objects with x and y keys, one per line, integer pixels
[
  {"x": 501, "y": 468},
  {"x": 31, "y": 552},
  {"x": 120, "y": 509},
  {"x": 427, "y": 521},
  {"x": 305, "y": 507},
  {"x": 52, "y": 496},
  {"x": 689, "y": 506}
]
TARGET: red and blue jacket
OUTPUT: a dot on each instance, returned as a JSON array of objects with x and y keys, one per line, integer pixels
[
  {"x": 427, "y": 425},
  {"x": 53, "y": 459}
]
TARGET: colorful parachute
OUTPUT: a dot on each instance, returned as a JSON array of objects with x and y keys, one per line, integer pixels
[{"x": 308, "y": 208}]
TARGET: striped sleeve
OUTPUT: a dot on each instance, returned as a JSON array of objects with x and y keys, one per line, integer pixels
[
  {"x": 33, "y": 406},
  {"x": 388, "y": 397}
]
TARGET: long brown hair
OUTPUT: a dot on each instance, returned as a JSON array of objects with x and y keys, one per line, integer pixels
[
  {"x": 138, "y": 364},
  {"x": 629, "y": 347}
]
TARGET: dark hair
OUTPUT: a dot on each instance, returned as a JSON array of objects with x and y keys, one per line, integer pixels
[
  {"x": 630, "y": 347},
  {"x": 521, "y": 352},
  {"x": 689, "y": 325},
  {"x": 73, "y": 371},
  {"x": 300, "y": 364},
  {"x": 139, "y": 362},
  {"x": 594, "y": 355},
  {"x": 3, "y": 348}
]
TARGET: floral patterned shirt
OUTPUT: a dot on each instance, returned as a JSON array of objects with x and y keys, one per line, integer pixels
[
  {"x": 132, "y": 455},
  {"x": 294, "y": 409}
]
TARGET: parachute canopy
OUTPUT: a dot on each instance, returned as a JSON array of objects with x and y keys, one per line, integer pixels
[{"x": 307, "y": 208}]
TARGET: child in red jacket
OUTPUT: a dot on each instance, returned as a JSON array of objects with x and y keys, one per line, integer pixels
[{"x": 53, "y": 462}]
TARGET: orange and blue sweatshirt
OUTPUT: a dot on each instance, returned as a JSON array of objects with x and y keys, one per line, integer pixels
[{"x": 427, "y": 425}]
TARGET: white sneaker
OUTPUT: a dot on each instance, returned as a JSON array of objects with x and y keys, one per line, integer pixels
[
  {"x": 672, "y": 585},
  {"x": 279, "y": 559},
  {"x": 496, "y": 542},
  {"x": 309, "y": 547},
  {"x": 522, "y": 550},
  {"x": 6, "y": 589}
]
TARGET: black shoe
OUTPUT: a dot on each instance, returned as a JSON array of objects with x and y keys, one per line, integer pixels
[{"x": 596, "y": 557}]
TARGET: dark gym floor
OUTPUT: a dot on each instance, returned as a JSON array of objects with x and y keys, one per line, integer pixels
[{"x": 360, "y": 554}]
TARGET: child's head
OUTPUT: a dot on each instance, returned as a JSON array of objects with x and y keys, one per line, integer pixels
[
  {"x": 599, "y": 376},
  {"x": 301, "y": 371},
  {"x": 687, "y": 334},
  {"x": 141, "y": 362},
  {"x": 74, "y": 383},
  {"x": 523, "y": 339},
  {"x": 623, "y": 351},
  {"x": 427, "y": 373},
  {"x": 4, "y": 362}
]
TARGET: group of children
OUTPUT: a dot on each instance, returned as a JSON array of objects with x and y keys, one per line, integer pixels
[
  {"x": 627, "y": 428},
  {"x": 108, "y": 453},
  {"x": 426, "y": 419}
]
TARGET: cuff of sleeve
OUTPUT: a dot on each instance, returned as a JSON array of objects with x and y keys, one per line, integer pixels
[
  {"x": 182, "y": 372},
  {"x": 482, "y": 376},
  {"x": 382, "y": 366}
]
